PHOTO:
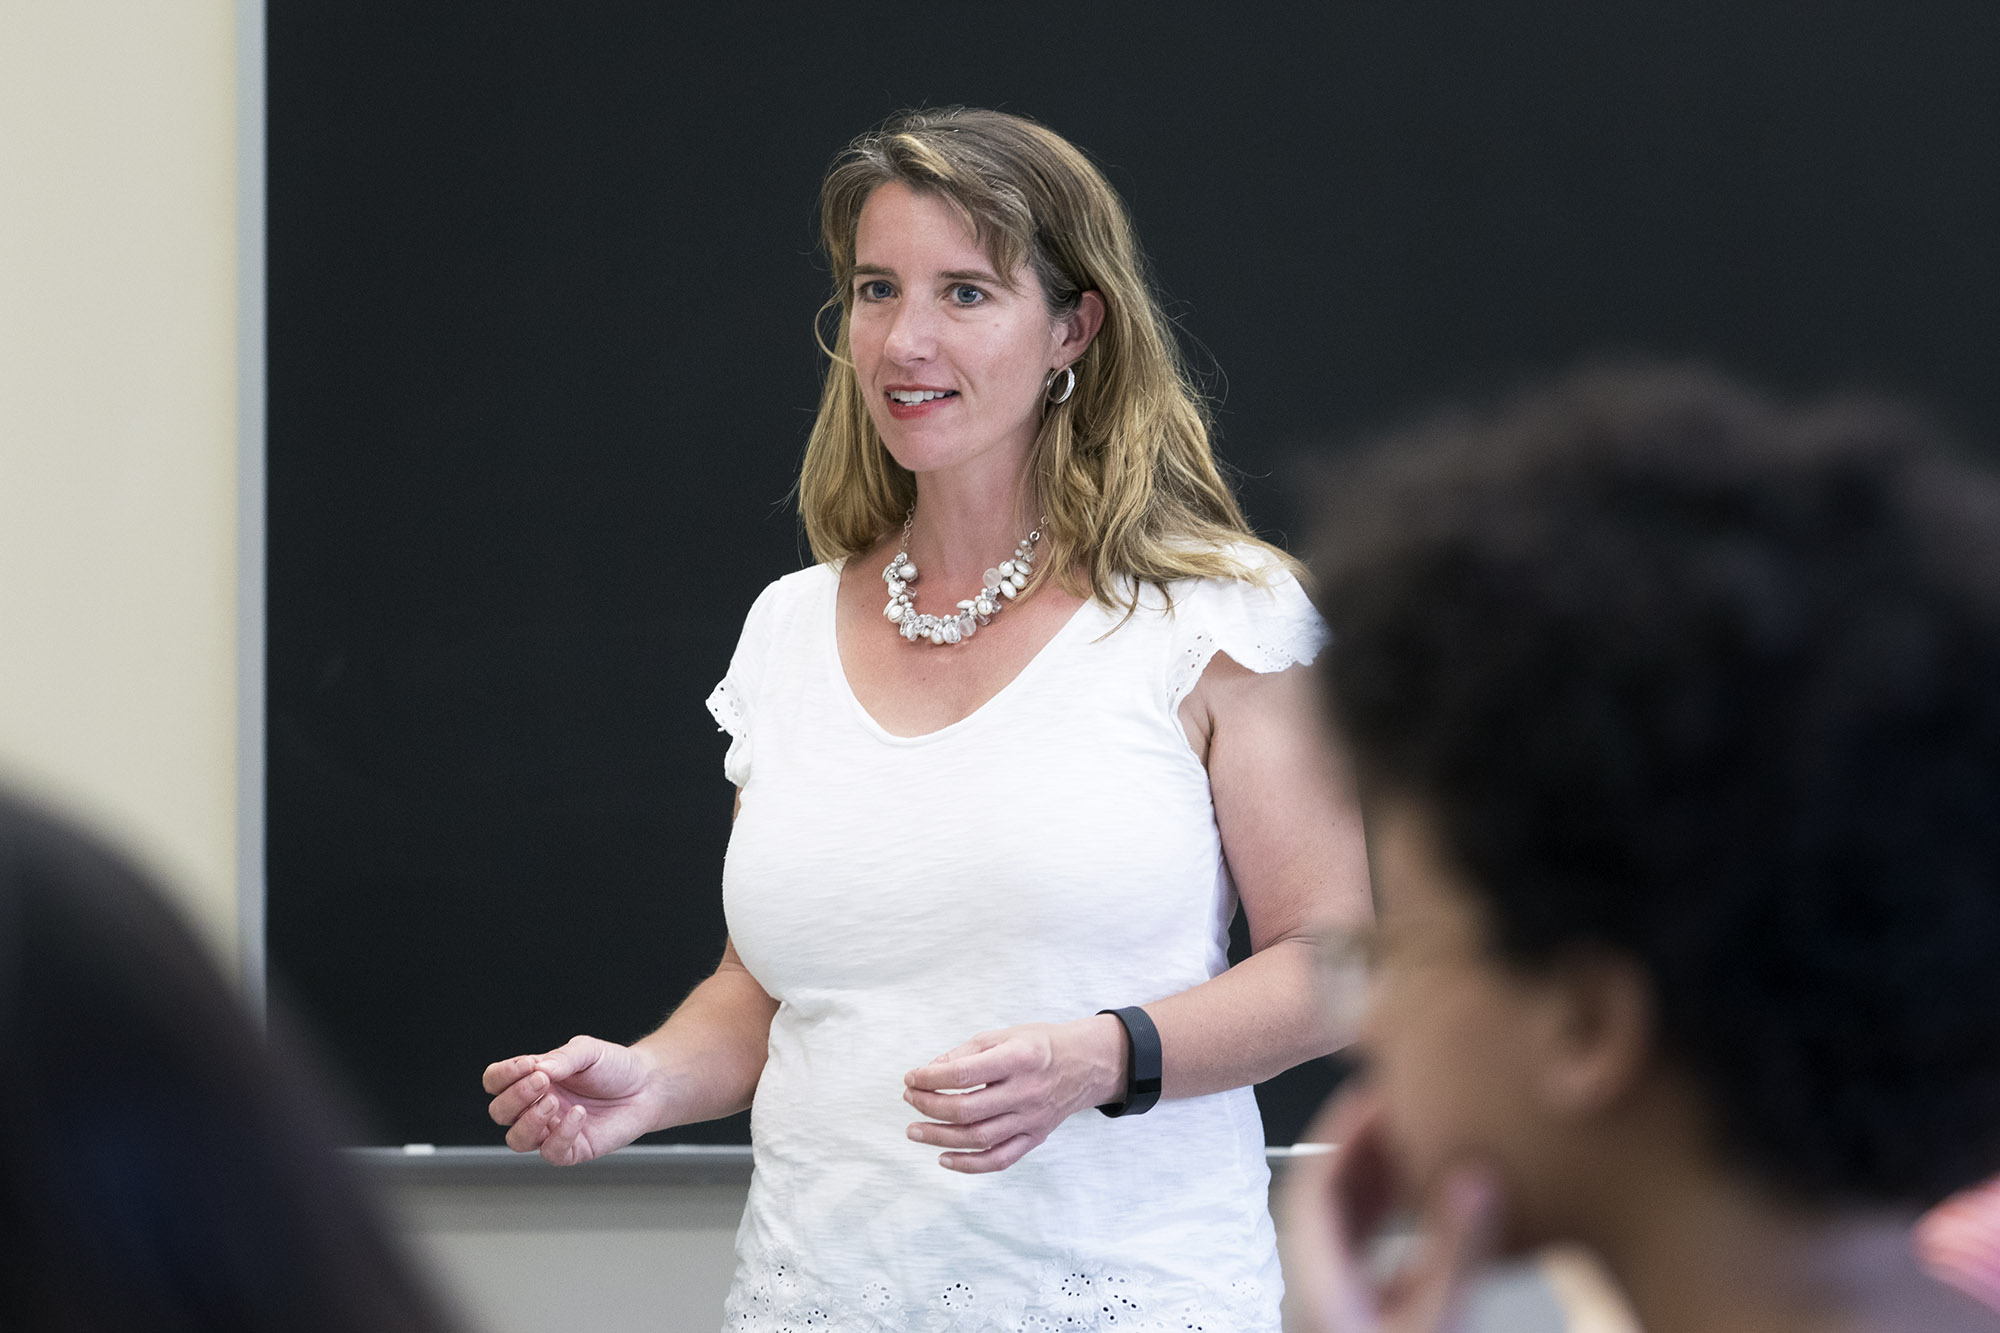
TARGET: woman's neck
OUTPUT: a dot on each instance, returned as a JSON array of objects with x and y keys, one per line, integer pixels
[{"x": 970, "y": 518}]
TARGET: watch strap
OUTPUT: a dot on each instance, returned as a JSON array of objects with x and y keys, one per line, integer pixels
[{"x": 1142, "y": 1079}]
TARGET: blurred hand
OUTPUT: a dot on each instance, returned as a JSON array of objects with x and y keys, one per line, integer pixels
[
  {"x": 1334, "y": 1206},
  {"x": 1026, "y": 1081},
  {"x": 580, "y": 1101}
]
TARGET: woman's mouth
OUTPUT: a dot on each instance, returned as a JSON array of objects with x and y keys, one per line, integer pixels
[{"x": 906, "y": 404}]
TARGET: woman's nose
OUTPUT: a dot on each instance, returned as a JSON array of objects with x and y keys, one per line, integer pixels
[{"x": 912, "y": 335}]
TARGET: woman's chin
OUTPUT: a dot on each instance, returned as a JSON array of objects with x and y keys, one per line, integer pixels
[
  {"x": 922, "y": 452},
  {"x": 908, "y": 449}
]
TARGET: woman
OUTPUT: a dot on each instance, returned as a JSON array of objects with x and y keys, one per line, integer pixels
[{"x": 990, "y": 755}]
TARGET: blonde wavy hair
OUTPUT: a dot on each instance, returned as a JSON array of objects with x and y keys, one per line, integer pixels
[{"x": 1123, "y": 470}]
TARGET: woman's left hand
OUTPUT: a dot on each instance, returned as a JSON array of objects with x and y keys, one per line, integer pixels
[{"x": 1023, "y": 1081}]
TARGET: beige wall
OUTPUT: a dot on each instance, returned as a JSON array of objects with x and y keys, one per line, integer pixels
[{"x": 118, "y": 382}]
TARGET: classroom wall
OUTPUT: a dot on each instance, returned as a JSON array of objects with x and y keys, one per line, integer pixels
[{"x": 118, "y": 394}]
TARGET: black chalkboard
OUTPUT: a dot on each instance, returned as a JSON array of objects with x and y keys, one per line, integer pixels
[{"x": 541, "y": 291}]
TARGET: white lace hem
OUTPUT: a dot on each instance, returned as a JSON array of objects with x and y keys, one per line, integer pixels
[{"x": 1068, "y": 1296}]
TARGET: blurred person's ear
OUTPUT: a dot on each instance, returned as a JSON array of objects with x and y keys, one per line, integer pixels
[{"x": 1598, "y": 1034}]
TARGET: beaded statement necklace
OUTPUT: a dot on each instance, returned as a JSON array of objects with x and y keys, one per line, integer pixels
[{"x": 1002, "y": 584}]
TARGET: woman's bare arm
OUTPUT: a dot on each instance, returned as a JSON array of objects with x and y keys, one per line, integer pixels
[
  {"x": 709, "y": 1053},
  {"x": 1291, "y": 833}
]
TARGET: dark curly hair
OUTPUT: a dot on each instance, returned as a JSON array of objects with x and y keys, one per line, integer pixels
[{"x": 1715, "y": 682}]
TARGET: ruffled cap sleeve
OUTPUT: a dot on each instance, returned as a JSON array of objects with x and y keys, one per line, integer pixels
[
  {"x": 1265, "y": 626},
  {"x": 733, "y": 700}
]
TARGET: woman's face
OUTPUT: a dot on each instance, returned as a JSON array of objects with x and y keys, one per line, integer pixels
[{"x": 951, "y": 356}]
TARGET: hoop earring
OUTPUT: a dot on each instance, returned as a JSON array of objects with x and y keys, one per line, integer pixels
[{"x": 1069, "y": 386}]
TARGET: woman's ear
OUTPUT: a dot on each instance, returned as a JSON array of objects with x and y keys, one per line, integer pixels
[
  {"x": 1075, "y": 330},
  {"x": 1600, "y": 1038}
]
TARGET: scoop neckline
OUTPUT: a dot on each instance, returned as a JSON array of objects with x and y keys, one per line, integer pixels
[{"x": 842, "y": 686}]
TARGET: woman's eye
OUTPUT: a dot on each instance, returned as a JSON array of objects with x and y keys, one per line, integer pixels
[
  {"x": 875, "y": 290},
  {"x": 966, "y": 294}
]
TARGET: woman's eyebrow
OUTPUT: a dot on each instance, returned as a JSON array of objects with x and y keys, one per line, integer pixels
[{"x": 949, "y": 275}]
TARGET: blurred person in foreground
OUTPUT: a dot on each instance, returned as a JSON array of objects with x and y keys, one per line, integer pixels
[
  {"x": 162, "y": 1167},
  {"x": 1677, "y": 714}
]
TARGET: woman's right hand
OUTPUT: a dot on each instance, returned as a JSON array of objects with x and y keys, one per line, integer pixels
[{"x": 580, "y": 1101}]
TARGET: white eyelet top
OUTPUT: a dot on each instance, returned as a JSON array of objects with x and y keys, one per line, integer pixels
[{"x": 1071, "y": 864}]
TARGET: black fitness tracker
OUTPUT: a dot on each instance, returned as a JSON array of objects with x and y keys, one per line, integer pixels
[{"x": 1142, "y": 1082}]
